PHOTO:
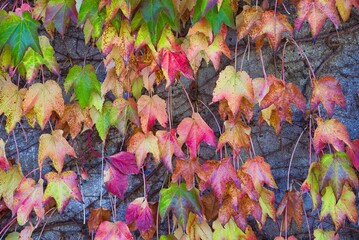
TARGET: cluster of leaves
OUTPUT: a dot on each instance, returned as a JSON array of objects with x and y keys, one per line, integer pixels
[{"x": 144, "y": 46}]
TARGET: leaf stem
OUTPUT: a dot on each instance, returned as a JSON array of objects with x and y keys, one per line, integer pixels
[
  {"x": 292, "y": 156},
  {"x": 144, "y": 183},
  {"x": 263, "y": 68},
  {"x": 102, "y": 169},
  {"x": 17, "y": 149},
  {"x": 185, "y": 91}
]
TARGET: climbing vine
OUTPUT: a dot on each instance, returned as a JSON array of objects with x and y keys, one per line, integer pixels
[{"x": 151, "y": 44}]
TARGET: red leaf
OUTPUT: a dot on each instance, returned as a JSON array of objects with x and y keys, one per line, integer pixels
[
  {"x": 4, "y": 163},
  {"x": 330, "y": 132},
  {"x": 168, "y": 146},
  {"x": 113, "y": 231},
  {"x": 194, "y": 130},
  {"x": 150, "y": 109},
  {"x": 125, "y": 162},
  {"x": 116, "y": 182},
  {"x": 327, "y": 90},
  {"x": 353, "y": 153},
  {"x": 28, "y": 197},
  {"x": 138, "y": 210},
  {"x": 219, "y": 173},
  {"x": 174, "y": 62}
]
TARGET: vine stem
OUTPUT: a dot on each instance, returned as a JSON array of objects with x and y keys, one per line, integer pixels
[
  {"x": 158, "y": 207},
  {"x": 52, "y": 210},
  {"x": 169, "y": 107},
  {"x": 144, "y": 183},
  {"x": 82, "y": 195},
  {"x": 307, "y": 222},
  {"x": 244, "y": 54},
  {"x": 7, "y": 226},
  {"x": 185, "y": 91},
  {"x": 292, "y": 156},
  {"x": 263, "y": 68},
  {"x": 17, "y": 149},
  {"x": 283, "y": 61},
  {"x": 102, "y": 168}
]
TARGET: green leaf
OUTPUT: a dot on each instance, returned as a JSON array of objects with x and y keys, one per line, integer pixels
[
  {"x": 86, "y": 86},
  {"x": 105, "y": 119},
  {"x": 336, "y": 170},
  {"x": 223, "y": 15},
  {"x": 157, "y": 14},
  {"x": 32, "y": 60},
  {"x": 136, "y": 88},
  {"x": 230, "y": 231},
  {"x": 88, "y": 9},
  {"x": 178, "y": 199},
  {"x": 19, "y": 33},
  {"x": 201, "y": 8}
]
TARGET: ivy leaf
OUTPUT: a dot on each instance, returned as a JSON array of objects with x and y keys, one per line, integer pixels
[
  {"x": 59, "y": 13},
  {"x": 266, "y": 202},
  {"x": 150, "y": 109},
  {"x": 56, "y": 147},
  {"x": 105, "y": 120},
  {"x": 217, "y": 16},
  {"x": 230, "y": 231},
  {"x": 112, "y": 83},
  {"x": 217, "y": 47},
  {"x": 210, "y": 206},
  {"x": 291, "y": 207},
  {"x": 10, "y": 95},
  {"x": 32, "y": 60},
  {"x": 316, "y": 12},
  {"x": 345, "y": 7},
  {"x": 187, "y": 169},
  {"x": 180, "y": 201},
  {"x": 311, "y": 183},
  {"x": 138, "y": 210},
  {"x": 353, "y": 153},
  {"x": 336, "y": 170},
  {"x": 197, "y": 229},
  {"x": 281, "y": 95},
  {"x": 320, "y": 234},
  {"x": 86, "y": 86},
  {"x": 260, "y": 172},
  {"x": 327, "y": 90},
  {"x": 194, "y": 130},
  {"x": 61, "y": 187},
  {"x": 201, "y": 8},
  {"x": 112, "y": 7},
  {"x": 110, "y": 230},
  {"x": 127, "y": 111},
  {"x": 28, "y": 197},
  {"x": 9, "y": 181},
  {"x": 339, "y": 210},
  {"x": 116, "y": 182},
  {"x": 233, "y": 86},
  {"x": 20, "y": 33},
  {"x": 71, "y": 120},
  {"x": 141, "y": 144},
  {"x": 245, "y": 21},
  {"x": 97, "y": 216},
  {"x": 237, "y": 134},
  {"x": 168, "y": 145},
  {"x": 4, "y": 163},
  {"x": 125, "y": 162},
  {"x": 330, "y": 132},
  {"x": 218, "y": 174},
  {"x": 43, "y": 99},
  {"x": 173, "y": 62},
  {"x": 271, "y": 25}
]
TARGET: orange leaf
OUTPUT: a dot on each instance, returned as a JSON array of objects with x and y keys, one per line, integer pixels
[
  {"x": 43, "y": 99},
  {"x": 353, "y": 153},
  {"x": 141, "y": 144},
  {"x": 187, "y": 169},
  {"x": 237, "y": 134},
  {"x": 56, "y": 148},
  {"x": 291, "y": 207},
  {"x": 271, "y": 25},
  {"x": 327, "y": 90},
  {"x": 150, "y": 109},
  {"x": 345, "y": 7},
  {"x": 330, "y": 132},
  {"x": 233, "y": 86},
  {"x": 97, "y": 216},
  {"x": 194, "y": 130},
  {"x": 246, "y": 20},
  {"x": 71, "y": 120}
]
